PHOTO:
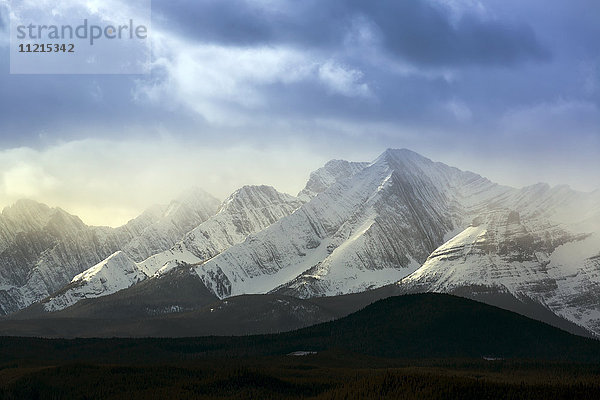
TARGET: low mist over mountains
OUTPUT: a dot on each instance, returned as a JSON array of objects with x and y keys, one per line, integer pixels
[{"x": 402, "y": 223}]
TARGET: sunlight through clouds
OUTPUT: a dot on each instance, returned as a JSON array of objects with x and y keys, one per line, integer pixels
[
  {"x": 107, "y": 182},
  {"x": 221, "y": 83}
]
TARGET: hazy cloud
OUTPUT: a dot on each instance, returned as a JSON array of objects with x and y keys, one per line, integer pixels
[{"x": 112, "y": 181}]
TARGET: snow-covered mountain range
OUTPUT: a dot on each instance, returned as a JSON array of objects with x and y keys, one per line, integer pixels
[
  {"x": 366, "y": 230},
  {"x": 401, "y": 220},
  {"x": 248, "y": 210},
  {"x": 43, "y": 248},
  {"x": 548, "y": 253}
]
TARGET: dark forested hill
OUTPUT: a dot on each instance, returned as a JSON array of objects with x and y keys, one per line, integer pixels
[{"x": 412, "y": 326}]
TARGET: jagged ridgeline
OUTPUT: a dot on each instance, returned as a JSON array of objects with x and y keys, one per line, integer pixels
[{"x": 402, "y": 222}]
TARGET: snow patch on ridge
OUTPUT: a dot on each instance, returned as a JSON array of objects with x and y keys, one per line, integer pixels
[{"x": 115, "y": 273}]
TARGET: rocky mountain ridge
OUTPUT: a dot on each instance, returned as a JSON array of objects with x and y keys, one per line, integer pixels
[{"x": 401, "y": 220}]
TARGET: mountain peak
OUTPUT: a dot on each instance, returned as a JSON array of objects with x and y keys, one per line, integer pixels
[
  {"x": 22, "y": 205},
  {"x": 117, "y": 262},
  {"x": 29, "y": 212},
  {"x": 193, "y": 200},
  {"x": 62, "y": 220},
  {"x": 335, "y": 163},
  {"x": 195, "y": 195},
  {"x": 401, "y": 151},
  {"x": 401, "y": 156},
  {"x": 332, "y": 172},
  {"x": 254, "y": 195},
  {"x": 251, "y": 191}
]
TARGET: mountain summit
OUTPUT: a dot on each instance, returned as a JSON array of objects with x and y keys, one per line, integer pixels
[{"x": 368, "y": 229}]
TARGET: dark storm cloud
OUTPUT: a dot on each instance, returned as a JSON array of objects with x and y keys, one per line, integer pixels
[
  {"x": 230, "y": 22},
  {"x": 417, "y": 31},
  {"x": 307, "y": 23},
  {"x": 423, "y": 33}
]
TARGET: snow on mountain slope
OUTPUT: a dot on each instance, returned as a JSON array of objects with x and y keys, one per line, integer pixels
[
  {"x": 577, "y": 267},
  {"x": 527, "y": 256},
  {"x": 176, "y": 219},
  {"x": 401, "y": 218},
  {"x": 364, "y": 231},
  {"x": 329, "y": 174},
  {"x": 30, "y": 230},
  {"x": 492, "y": 251},
  {"x": 248, "y": 210},
  {"x": 111, "y": 275},
  {"x": 44, "y": 248}
]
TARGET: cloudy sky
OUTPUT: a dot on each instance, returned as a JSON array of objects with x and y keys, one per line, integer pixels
[{"x": 264, "y": 91}]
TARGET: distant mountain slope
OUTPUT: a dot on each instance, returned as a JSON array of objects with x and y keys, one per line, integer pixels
[
  {"x": 326, "y": 176},
  {"x": 180, "y": 216},
  {"x": 44, "y": 248},
  {"x": 248, "y": 210},
  {"x": 531, "y": 259},
  {"x": 367, "y": 230},
  {"x": 175, "y": 291},
  {"x": 178, "y": 304}
]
